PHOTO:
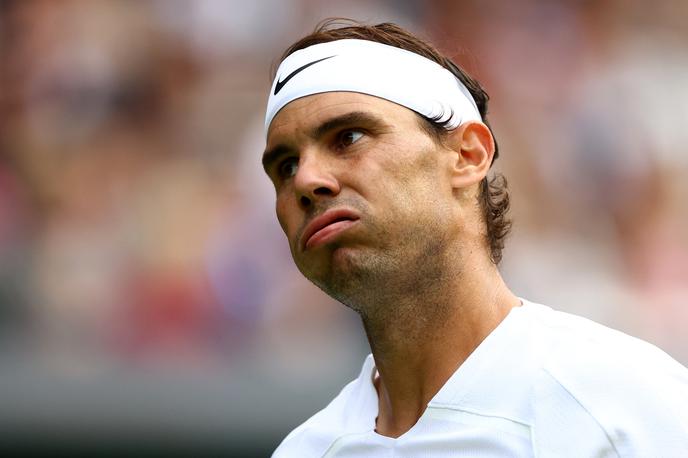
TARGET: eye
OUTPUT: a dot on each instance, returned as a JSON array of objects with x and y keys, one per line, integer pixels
[
  {"x": 348, "y": 137},
  {"x": 288, "y": 167}
]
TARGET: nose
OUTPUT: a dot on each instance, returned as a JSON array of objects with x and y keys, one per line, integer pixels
[{"x": 314, "y": 180}]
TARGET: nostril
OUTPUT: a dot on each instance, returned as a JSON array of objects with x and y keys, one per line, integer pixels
[
  {"x": 307, "y": 198},
  {"x": 323, "y": 191}
]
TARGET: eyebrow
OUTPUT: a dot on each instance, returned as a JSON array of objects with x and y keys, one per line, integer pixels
[{"x": 353, "y": 118}]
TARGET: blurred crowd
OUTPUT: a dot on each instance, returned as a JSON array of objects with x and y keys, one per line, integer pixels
[{"x": 137, "y": 229}]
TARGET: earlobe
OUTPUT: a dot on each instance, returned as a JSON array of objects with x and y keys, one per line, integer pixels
[{"x": 474, "y": 148}]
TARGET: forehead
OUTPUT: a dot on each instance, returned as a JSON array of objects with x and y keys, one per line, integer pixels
[{"x": 303, "y": 114}]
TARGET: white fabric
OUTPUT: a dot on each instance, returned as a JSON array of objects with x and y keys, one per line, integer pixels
[
  {"x": 372, "y": 68},
  {"x": 543, "y": 384}
]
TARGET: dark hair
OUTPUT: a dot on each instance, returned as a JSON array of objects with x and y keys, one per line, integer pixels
[{"x": 493, "y": 197}]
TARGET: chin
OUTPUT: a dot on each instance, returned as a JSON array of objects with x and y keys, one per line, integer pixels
[{"x": 349, "y": 275}]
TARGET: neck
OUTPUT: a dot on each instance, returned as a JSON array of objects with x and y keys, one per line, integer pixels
[{"x": 420, "y": 338}]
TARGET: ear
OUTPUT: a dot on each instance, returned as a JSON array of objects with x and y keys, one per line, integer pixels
[{"x": 474, "y": 147}]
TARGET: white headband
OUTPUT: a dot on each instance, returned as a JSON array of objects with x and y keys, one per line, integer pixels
[{"x": 372, "y": 68}]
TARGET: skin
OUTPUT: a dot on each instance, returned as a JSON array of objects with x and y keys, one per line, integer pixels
[{"x": 415, "y": 264}]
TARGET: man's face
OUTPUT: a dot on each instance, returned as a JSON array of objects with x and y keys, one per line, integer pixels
[{"x": 363, "y": 192}]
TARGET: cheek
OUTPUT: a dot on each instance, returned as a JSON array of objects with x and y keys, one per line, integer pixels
[
  {"x": 281, "y": 214},
  {"x": 286, "y": 215},
  {"x": 415, "y": 184}
]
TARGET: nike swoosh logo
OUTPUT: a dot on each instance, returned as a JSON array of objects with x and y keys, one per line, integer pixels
[{"x": 280, "y": 84}]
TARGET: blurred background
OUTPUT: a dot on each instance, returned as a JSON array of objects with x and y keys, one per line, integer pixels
[{"x": 148, "y": 301}]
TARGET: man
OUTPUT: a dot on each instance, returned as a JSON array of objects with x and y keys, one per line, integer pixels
[{"x": 379, "y": 149}]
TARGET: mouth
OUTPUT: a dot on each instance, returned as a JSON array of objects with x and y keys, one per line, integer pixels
[{"x": 326, "y": 227}]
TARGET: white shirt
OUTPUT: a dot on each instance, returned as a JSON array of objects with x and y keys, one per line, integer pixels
[{"x": 543, "y": 383}]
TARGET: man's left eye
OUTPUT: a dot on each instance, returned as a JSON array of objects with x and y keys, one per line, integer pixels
[{"x": 349, "y": 137}]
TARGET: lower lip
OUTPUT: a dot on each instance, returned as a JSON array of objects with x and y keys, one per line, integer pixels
[{"x": 328, "y": 233}]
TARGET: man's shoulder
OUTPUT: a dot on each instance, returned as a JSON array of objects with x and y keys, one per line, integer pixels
[
  {"x": 314, "y": 436},
  {"x": 634, "y": 392},
  {"x": 572, "y": 346},
  {"x": 341, "y": 416}
]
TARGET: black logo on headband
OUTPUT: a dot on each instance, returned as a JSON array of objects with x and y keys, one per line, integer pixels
[{"x": 280, "y": 84}]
